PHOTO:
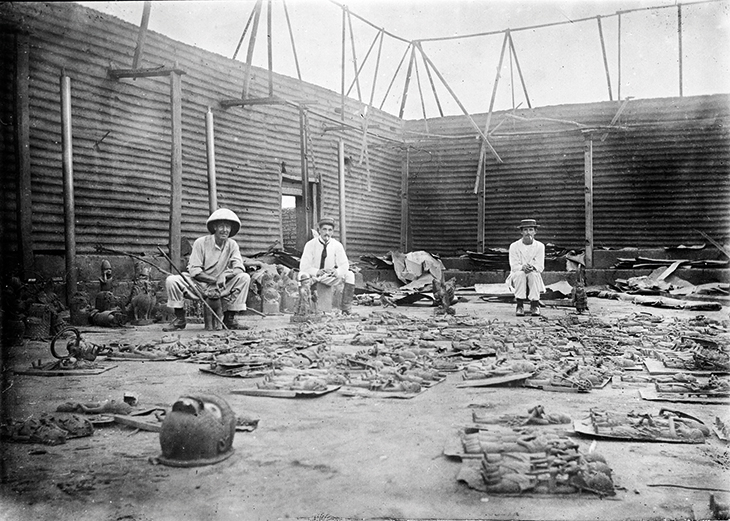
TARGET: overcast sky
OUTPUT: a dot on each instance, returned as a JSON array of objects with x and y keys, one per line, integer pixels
[{"x": 560, "y": 64}]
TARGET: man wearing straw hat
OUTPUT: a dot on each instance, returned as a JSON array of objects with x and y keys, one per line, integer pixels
[
  {"x": 527, "y": 262},
  {"x": 215, "y": 268},
  {"x": 324, "y": 259}
]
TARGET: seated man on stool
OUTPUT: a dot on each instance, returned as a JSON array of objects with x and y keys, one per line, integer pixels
[
  {"x": 324, "y": 259},
  {"x": 527, "y": 262},
  {"x": 215, "y": 267}
]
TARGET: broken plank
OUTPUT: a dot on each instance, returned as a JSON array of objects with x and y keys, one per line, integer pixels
[
  {"x": 136, "y": 423},
  {"x": 63, "y": 372},
  {"x": 495, "y": 380},
  {"x": 285, "y": 393},
  {"x": 657, "y": 367},
  {"x": 654, "y": 396}
]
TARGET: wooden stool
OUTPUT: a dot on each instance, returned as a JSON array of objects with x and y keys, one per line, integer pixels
[
  {"x": 328, "y": 297},
  {"x": 212, "y": 323}
]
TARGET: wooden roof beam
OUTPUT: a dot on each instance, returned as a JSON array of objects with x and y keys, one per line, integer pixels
[
  {"x": 143, "y": 73},
  {"x": 270, "y": 100}
]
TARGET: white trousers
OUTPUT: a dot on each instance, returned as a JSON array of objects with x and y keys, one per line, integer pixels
[
  {"x": 520, "y": 282},
  {"x": 336, "y": 280},
  {"x": 235, "y": 291}
]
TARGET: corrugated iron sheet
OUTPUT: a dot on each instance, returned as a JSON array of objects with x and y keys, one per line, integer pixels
[
  {"x": 122, "y": 141},
  {"x": 661, "y": 174},
  {"x": 8, "y": 182}
]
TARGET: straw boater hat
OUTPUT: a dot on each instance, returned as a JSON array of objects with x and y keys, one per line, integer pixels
[
  {"x": 224, "y": 214},
  {"x": 327, "y": 220},
  {"x": 528, "y": 223}
]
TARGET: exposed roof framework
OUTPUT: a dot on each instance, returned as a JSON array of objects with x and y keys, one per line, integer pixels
[
  {"x": 424, "y": 65},
  {"x": 421, "y": 74}
]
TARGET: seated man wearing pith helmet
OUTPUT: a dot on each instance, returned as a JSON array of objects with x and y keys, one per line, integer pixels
[{"x": 215, "y": 267}]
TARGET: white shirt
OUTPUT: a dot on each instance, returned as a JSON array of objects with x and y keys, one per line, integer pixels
[
  {"x": 521, "y": 254},
  {"x": 312, "y": 254}
]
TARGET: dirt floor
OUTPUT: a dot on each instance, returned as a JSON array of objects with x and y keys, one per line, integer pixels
[{"x": 340, "y": 455}]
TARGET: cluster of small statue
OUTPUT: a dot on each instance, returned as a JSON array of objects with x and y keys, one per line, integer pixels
[
  {"x": 273, "y": 293},
  {"x": 112, "y": 311},
  {"x": 278, "y": 292}
]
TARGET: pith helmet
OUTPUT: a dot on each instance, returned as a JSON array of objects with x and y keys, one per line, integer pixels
[{"x": 224, "y": 214}]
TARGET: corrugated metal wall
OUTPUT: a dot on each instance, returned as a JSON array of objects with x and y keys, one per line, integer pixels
[
  {"x": 7, "y": 141},
  {"x": 121, "y": 140},
  {"x": 663, "y": 174}
]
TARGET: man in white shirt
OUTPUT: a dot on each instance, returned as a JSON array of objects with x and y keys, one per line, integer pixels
[
  {"x": 527, "y": 262},
  {"x": 324, "y": 259},
  {"x": 215, "y": 267}
]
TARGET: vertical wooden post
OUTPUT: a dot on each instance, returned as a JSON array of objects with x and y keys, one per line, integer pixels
[
  {"x": 175, "y": 168},
  {"x": 588, "y": 172},
  {"x": 210, "y": 149},
  {"x": 619, "y": 56},
  {"x": 142, "y": 36},
  {"x": 305, "y": 174},
  {"x": 679, "y": 37},
  {"x": 22, "y": 153},
  {"x": 68, "y": 187},
  {"x": 342, "y": 65},
  {"x": 343, "y": 212},
  {"x": 405, "y": 236},
  {"x": 270, "y": 48},
  {"x": 481, "y": 208}
]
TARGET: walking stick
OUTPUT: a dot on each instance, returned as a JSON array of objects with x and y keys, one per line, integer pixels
[
  {"x": 101, "y": 248},
  {"x": 193, "y": 288}
]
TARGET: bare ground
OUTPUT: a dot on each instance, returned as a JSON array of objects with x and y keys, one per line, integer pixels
[{"x": 345, "y": 456}]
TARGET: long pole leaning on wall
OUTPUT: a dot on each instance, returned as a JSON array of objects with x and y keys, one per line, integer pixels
[
  {"x": 306, "y": 200},
  {"x": 341, "y": 171},
  {"x": 210, "y": 150},
  {"x": 68, "y": 187},
  {"x": 405, "y": 207},
  {"x": 482, "y": 207},
  {"x": 22, "y": 151},
  {"x": 588, "y": 177},
  {"x": 175, "y": 168}
]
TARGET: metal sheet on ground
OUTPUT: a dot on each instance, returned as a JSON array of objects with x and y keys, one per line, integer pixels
[{"x": 285, "y": 393}]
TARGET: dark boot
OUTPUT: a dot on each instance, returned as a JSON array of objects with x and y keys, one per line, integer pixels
[
  {"x": 347, "y": 293},
  {"x": 229, "y": 320},
  {"x": 520, "y": 308},
  {"x": 179, "y": 322},
  {"x": 535, "y": 308}
]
